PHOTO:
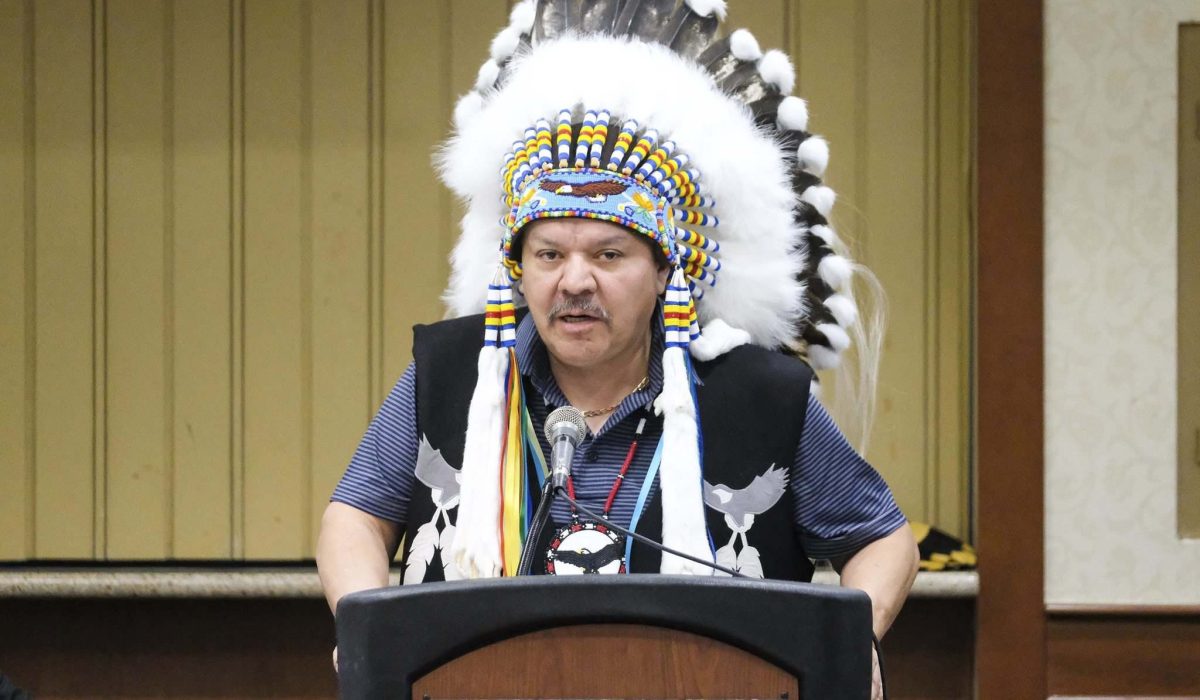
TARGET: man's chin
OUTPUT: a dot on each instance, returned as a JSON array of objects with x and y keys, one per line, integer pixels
[{"x": 576, "y": 346}]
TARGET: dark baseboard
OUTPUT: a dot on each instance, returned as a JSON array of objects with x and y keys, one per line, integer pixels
[{"x": 1122, "y": 652}]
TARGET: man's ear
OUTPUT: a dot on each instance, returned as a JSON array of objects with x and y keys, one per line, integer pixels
[{"x": 664, "y": 274}]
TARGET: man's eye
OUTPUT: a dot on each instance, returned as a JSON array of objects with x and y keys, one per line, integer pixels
[
  {"x": 547, "y": 255},
  {"x": 610, "y": 255}
]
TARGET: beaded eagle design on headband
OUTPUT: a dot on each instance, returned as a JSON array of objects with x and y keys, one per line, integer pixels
[{"x": 755, "y": 259}]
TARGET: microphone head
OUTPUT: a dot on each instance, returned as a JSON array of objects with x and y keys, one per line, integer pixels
[{"x": 567, "y": 421}]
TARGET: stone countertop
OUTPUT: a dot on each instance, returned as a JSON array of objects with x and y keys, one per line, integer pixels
[{"x": 289, "y": 582}]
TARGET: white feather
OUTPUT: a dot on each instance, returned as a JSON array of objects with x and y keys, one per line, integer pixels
[
  {"x": 683, "y": 526},
  {"x": 749, "y": 563},
  {"x": 705, "y": 8},
  {"x": 826, "y": 234},
  {"x": 744, "y": 46},
  {"x": 835, "y": 270},
  {"x": 505, "y": 44},
  {"x": 821, "y": 197},
  {"x": 792, "y": 114},
  {"x": 476, "y": 548},
  {"x": 813, "y": 154},
  {"x": 522, "y": 16},
  {"x": 716, "y": 339},
  {"x": 757, "y": 290},
  {"x": 726, "y": 557},
  {"x": 450, "y": 572},
  {"x": 776, "y": 68},
  {"x": 466, "y": 109},
  {"x": 488, "y": 73},
  {"x": 822, "y": 357},
  {"x": 838, "y": 340},
  {"x": 424, "y": 544},
  {"x": 843, "y": 309}
]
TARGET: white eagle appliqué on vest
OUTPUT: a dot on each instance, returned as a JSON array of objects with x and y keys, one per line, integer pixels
[
  {"x": 443, "y": 482},
  {"x": 739, "y": 507}
]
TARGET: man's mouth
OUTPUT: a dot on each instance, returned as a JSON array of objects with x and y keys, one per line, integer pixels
[{"x": 578, "y": 314}]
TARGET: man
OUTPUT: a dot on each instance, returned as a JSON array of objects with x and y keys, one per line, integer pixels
[{"x": 629, "y": 191}]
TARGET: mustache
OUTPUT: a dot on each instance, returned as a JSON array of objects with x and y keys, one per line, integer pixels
[{"x": 578, "y": 306}]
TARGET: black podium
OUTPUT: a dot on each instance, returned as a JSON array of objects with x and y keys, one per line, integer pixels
[{"x": 643, "y": 636}]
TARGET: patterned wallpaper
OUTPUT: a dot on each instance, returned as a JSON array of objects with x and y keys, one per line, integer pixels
[{"x": 1110, "y": 304}]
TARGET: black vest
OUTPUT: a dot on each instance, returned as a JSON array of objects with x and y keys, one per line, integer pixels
[{"x": 752, "y": 404}]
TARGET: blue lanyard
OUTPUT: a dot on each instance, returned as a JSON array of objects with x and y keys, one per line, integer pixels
[{"x": 641, "y": 501}]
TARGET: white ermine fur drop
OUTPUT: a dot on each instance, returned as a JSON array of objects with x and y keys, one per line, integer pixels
[
  {"x": 522, "y": 16},
  {"x": 821, "y": 357},
  {"x": 476, "y": 547},
  {"x": 826, "y": 234},
  {"x": 838, "y": 340},
  {"x": 792, "y": 114},
  {"x": 683, "y": 526},
  {"x": 835, "y": 271},
  {"x": 744, "y": 46},
  {"x": 505, "y": 44},
  {"x": 706, "y": 8},
  {"x": 486, "y": 79},
  {"x": 776, "y": 68},
  {"x": 813, "y": 155},
  {"x": 821, "y": 197},
  {"x": 716, "y": 339},
  {"x": 843, "y": 309}
]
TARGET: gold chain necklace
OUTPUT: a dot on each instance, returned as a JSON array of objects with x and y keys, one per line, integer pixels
[{"x": 601, "y": 411}]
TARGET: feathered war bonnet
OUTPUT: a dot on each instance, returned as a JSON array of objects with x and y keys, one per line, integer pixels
[{"x": 637, "y": 112}]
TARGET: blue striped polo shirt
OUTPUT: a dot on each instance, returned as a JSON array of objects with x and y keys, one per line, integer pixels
[{"x": 840, "y": 502}]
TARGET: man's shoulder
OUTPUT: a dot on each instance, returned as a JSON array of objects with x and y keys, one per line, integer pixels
[
  {"x": 460, "y": 328},
  {"x": 753, "y": 361}
]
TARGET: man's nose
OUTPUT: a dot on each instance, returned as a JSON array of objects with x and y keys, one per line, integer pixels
[{"x": 577, "y": 276}]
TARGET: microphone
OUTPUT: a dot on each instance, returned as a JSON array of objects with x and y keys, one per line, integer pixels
[{"x": 564, "y": 430}]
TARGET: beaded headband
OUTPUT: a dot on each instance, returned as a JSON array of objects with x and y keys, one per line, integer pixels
[{"x": 643, "y": 185}]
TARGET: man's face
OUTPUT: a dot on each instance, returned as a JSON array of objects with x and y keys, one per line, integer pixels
[{"x": 591, "y": 287}]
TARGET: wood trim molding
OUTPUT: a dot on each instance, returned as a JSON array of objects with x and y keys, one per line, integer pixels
[
  {"x": 1123, "y": 655},
  {"x": 1010, "y": 632},
  {"x": 1072, "y": 610}
]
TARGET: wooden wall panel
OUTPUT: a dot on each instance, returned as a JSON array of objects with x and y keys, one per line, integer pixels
[
  {"x": 832, "y": 61},
  {"x": 896, "y": 243},
  {"x": 278, "y": 247},
  {"x": 64, "y": 266},
  {"x": 16, "y": 292},
  {"x": 340, "y": 254},
  {"x": 949, "y": 184},
  {"x": 140, "y": 235},
  {"x": 1011, "y": 623},
  {"x": 232, "y": 223},
  {"x": 888, "y": 85},
  {"x": 201, "y": 271},
  {"x": 1188, "y": 299},
  {"x": 416, "y": 212}
]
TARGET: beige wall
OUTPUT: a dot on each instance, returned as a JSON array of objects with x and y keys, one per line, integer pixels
[
  {"x": 220, "y": 223},
  {"x": 1111, "y": 228}
]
